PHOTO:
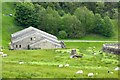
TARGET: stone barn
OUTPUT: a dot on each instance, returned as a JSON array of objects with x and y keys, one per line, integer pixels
[{"x": 32, "y": 38}]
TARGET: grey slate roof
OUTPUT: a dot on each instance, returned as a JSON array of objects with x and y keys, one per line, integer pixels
[
  {"x": 44, "y": 41},
  {"x": 29, "y": 30},
  {"x": 23, "y": 34},
  {"x": 49, "y": 38}
]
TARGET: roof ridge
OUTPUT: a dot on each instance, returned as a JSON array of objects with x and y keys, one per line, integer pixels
[
  {"x": 28, "y": 30},
  {"x": 52, "y": 39}
]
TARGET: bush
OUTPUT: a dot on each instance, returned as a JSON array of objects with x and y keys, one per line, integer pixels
[{"x": 62, "y": 34}]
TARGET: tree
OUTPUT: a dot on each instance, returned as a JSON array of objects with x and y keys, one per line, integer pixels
[
  {"x": 108, "y": 28},
  {"x": 99, "y": 24},
  {"x": 24, "y": 14},
  {"x": 104, "y": 26},
  {"x": 49, "y": 20},
  {"x": 62, "y": 34},
  {"x": 86, "y": 17},
  {"x": 72, "y": 26}
]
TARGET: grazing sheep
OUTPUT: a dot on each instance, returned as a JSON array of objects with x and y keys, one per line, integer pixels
[
  {"x": 10, "y": 14},
  {"x": 90, "y": 74},
  {"x": 66, "y": 65},
  {"x": 60, "y": 65},
  {"x": 117, "y": 68},
  {"x": 79, "y": 72},
  {"x": 21, "y": 62},
  {"x": 111, "y": 72},
  {"x": 1, "y": 53},
  {"x": 57, "y": 51},
  {"x": 94, "y": 53},
  {"x": 4, "y": 55}
]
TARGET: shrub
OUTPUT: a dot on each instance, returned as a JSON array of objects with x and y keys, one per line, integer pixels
[{"x": 62, "y": 34}]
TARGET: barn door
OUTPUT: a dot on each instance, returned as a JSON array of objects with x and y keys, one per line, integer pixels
[{"x": 28, "y": 47}]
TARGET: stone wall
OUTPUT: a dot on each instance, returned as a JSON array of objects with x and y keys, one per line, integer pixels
[{"x": 112, "y": 48}]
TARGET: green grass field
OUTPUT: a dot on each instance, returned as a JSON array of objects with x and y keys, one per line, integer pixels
[{"x": 44, "y": 63}]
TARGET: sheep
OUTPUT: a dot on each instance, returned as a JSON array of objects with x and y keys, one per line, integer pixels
[
  {"x": 90, "y": 74},
  {"x": 60, "y": 65},
  {"x": 111, "y": 72},
  {"x": 4, "y": 55},
  {"x": 1, "y": 53},
  {"x": 57, "y": 51},
  {"x": 79, "y": 72},
  {"x": 116, "y": 69},
  {"x": 10, "y": 14},
  {"x": 95, "y": 53},
  {"x": 21, "y": 62},
  {"x": 66, "y": 65}
]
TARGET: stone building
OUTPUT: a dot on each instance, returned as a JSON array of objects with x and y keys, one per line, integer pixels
[{"x": 32, "y": 38}]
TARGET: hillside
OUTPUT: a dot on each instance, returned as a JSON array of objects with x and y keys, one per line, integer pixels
[
  {"x": 9, "y": 26},
  {"x": 8, "y": 23}
]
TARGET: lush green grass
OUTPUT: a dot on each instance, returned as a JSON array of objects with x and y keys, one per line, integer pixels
[
  {"x": 44, "y": 63},
  {"x": 8, "y": 23}
]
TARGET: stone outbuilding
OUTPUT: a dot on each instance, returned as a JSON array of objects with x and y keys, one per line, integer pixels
[{"x": 32, "y": 38}]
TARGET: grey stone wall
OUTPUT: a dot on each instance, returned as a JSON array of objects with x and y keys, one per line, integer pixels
[
  {"x": 26, "y": 42},
  {"x": 112, "y": 48}
]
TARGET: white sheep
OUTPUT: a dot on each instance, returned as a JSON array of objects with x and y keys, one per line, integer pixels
[
  {"x": 71, "y": 56},
  {"x": 66, "y": 65},
  {"x": 21, "y": 62},
  {"x": 10, "y": 14},
  {"x": 60, "y": 65},
  {"x": 94, "y": 53},
  {"x": 1, "y": 53},
  {"x": 79, "y": 72},
  {"x": 90, "y": 74},
  {"x": 57, "y": 50},
  {"x": 111, "y": 72},
  {"x": 4, "y": 55},
  {"x": 117, "y": 68}
]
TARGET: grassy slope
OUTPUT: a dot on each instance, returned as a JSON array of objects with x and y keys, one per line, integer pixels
[
  {"x": 44, "y": 63},
  {"x": 8, "y": 23},
  {"x": 0, "y": 23}
]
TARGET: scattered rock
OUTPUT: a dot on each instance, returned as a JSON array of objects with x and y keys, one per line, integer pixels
[
  {"x": 90, "y": 74},
  {"x": 79, "y": 72}
]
